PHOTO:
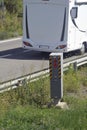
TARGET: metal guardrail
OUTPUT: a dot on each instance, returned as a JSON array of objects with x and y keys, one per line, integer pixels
[{"x": 76, "y": 62}]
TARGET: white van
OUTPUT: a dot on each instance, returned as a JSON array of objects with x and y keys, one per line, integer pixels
[{"x": 55, "y": 25}]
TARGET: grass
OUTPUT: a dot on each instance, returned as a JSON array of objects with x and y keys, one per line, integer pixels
[
  {"x": 23, "y": 108},
  {"x": 10, "y": 26},
  {"x": 33, "y": 118}
]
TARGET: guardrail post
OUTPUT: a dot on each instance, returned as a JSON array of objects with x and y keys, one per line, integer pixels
[
  {"x": 56, "y": 76},
  {"x": 75, "y": 66}
]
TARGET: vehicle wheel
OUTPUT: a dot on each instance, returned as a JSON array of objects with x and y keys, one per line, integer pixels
[
  {"x": 82, "y": 50},
  {"x": 86, "y": 47}
]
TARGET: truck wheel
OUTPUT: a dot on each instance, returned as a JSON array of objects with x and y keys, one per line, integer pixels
[
  {"x": 86, "y": 47},
  {"x": 82, "y": 50}
]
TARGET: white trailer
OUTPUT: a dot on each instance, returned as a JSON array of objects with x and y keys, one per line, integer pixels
[{"x": 55, "y": 25}]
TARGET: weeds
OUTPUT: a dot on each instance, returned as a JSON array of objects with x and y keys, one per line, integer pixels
[
  {"x": 10, "y": 22},
  {"x": 71, "y": 81},
  {"x": 20, "y": 108},
  {"x": 34, "y": 93},
  {"x": 38, "y": 92},
  {"x": 10, "y": 26}
]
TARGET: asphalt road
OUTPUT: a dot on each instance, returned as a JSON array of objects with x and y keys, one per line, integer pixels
[{"x": 16, "y": 61}]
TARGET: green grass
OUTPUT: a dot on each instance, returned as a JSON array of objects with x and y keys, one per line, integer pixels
[
  {"x": 25, "y": 108},
  {"x": 33, "y": 118},
  {"x": 10, "y": 26},
  {"x": 11, "y": 19}
]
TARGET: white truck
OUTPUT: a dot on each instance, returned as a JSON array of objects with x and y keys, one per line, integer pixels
[{"x": 55, "y": 25}]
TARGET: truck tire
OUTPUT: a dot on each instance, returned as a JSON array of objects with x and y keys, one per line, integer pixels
[{"x": 85, "y": 46}]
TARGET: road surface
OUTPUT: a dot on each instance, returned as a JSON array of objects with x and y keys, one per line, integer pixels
[{"x": 16, "y": 61}]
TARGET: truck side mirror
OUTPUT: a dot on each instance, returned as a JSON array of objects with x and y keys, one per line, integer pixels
[{"x": 74, "y": 12}]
